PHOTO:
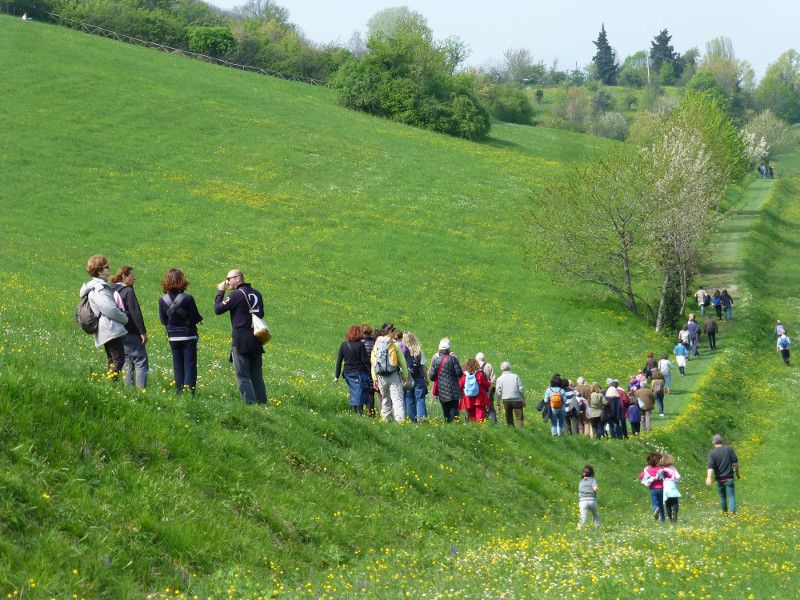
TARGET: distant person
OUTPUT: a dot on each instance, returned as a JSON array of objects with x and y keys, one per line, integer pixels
[
  {"x": 723, "y": 465},
  {"x": 771, "y": 171},
  {"x": 597, "y": 404},
  {"x": 353, "y": 355},
  {"x": 368, "y": 339},
  {"x": 671, "y": 492},
  {"x": 650, "y": 364},
  {"x": 703, "y": 299},
  {"x": 653, "y": 477},
  {"x": 625, "y": 402},
  {"x": 136, "y": 365},
  {"x": 416, "y": 409},
  {"x": 716, "y": 302},
  {"x": 109, "y": 309},
  {"x": 710, "y": 329},
  {"x": 555, "y": 396},
  {"x": 694, "y": 334},
  {"x": 510, "y": 391},
  {"x": 680, "y": 357},
  {"x": 587, "y": 497},
  {"x": 488, "y": 370},
  {"x": 665, "y": 366},
  {"x": 727, "y": 305},
  {"x": 634, "y": 415},
  {"x": 247, "y": 351},
  {"x": 646, "y": 400},
  {"x": 572, "y": 408},
  {"x": 658, "y": 385},
  {"x": 445, "y": 372},
  {"x": 390, "y": 373},
  {"x": 25, "y": 17},
  {"x": 178, "y": 312},
  {"x": 584, "y": 393},
  {"x": 783, "y": 347},
  {"x": 683, "y": 338},
  {"x": 614, "y": 410},
  {"x": 475, "y": 387}
]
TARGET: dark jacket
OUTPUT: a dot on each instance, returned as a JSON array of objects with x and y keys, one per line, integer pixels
[
  {"x": 354, "y": 356},
  {"x": 447, "y": 388},
  {"x": 241, "y": 303},
  {"x": 710, "y": 326},
  {"x": 135, "y": 324},
  {"x": 183, "y": 322}
]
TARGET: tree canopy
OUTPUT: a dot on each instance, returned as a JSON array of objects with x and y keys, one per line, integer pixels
[{"x": 604, "y": 60}]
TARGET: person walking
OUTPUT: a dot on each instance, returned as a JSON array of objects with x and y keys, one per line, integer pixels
[
  {"x": 646, "y": 400},
  {"x": 614, "y": 409},
  {"x": 587, "y": 497},
  {"x": 727, "y": 305},
  {"x": 694, "y": 334},
  {"x": 584, "y": 394},
  {"x": 783, "y": 347},
  {"x": 680, "y": 357},
  {"x": 510, "y": 391},
  {"x": 703, "y": 299},
  {"x": 108, "y": 308},
  {"x": 445, "y": 372},
  {"x": 556, "y": 396},
  {"x": 665, "y": 366},
  {"x": 136, "y": 365},
  {"x": 353, "y": 355},
  {"x": 716, "y": 302},
  {"x": 658, "y": 385},
  {"x": 247, "y": 351},
  {"x": 488, "y": 370},
  {"x": 683, "y": 338},
  {"x": 671, "y": 492},
  {"x": 178, "y": 313},
  {"x": 710, "y": 329},
  {"x": 635, "y": 417},
  {"x": 390, "y": 373},
  {"x": 416, "y": 409},
  {"x": 723, "y": 465},
  {"x": 368, "y": 339},
  {"x": 475, "y": 387}
]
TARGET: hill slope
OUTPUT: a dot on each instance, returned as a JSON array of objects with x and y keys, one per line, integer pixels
[{"x": 159, "y": 161}]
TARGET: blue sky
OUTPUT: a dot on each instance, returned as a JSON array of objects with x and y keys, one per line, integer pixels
[{"x": 565, "y": 30}]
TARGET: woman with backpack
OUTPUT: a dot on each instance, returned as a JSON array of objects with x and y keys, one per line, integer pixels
[
  {"x": 178, "y": 313},
  {"x": 445, "y": 372},
  {"x": 109, "y": 320},
  {"x": 418, "y": 378},
  {"x": 136, "y": 364},
  {"x": 555, "y": 396},
  {"x": 475, "y": 387},
  {"x": 716, "y": 302},
  {"x": 665, "y": 366},
  {"x": 356, "y": 368}
]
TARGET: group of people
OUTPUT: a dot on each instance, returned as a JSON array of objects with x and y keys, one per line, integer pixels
[
  {"x": 766, "y": 171},
  {"x": 121, "y": 331},
  {"x": 720, "y": 300},
  {"x": 661, "y": 477},
  {"x": 389, "y": 364}
]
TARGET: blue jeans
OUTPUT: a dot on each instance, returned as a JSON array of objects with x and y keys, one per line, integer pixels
[
  {"x": 657, "y": 502},
  {"x": 558, "y": 423},
  {"x": 727, "y": 311},
  {"x": 184, "y": 364},
  {"x": 415, "y": 402},
  {"x": 727, "y": 495},
  {"x": 358, "y": 385},
  {"x": 249, "y": 376},
  {"x": 135, "y": 361},
  {"x": 660, "y": 402}
]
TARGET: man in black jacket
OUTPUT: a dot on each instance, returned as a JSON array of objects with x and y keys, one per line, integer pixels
[{"x": 246, "y": 350}]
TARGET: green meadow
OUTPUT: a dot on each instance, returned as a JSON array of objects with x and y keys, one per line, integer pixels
[{"x": 337, "y": 217}]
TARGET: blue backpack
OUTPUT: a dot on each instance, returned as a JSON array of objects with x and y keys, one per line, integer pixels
[
  {"x": 783, "y": 343},
  {"x": 471, "y": 387}
]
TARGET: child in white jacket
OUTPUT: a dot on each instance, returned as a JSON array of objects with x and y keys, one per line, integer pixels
[{"x": 671, "y": 492}]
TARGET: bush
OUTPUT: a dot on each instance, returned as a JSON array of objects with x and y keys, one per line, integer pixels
[
  {"x": 507, "y": 103},
  {"x": 212, "y": 41},
  {"x": 612, "y": 125}
]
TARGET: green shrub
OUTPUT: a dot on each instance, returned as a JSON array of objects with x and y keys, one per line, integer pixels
[
  {"x": 212, "y": 41},
  {"x": 507, "y": 103}
]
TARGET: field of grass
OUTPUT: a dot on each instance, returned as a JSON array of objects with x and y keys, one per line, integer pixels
[{"x": 160, "y": 161}]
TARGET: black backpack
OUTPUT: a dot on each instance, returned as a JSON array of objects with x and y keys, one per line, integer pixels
[{"x": 85, "y": 317}]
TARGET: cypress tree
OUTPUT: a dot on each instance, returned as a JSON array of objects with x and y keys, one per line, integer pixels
[
  {"x": 604, "y": 60},
  {"x": 661, "y": 51}
]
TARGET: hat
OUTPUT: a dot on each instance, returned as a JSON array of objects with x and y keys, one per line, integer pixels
[{"x": 444, "y": 344}]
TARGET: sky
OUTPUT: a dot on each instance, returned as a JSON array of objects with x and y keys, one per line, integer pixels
[{"x": 565, "y": 30}]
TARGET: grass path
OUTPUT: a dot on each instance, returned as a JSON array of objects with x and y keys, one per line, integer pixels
[{"x": 719, "y": 271}]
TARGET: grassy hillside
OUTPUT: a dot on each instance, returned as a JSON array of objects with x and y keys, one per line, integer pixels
[{"x": 160, "y": 161}]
